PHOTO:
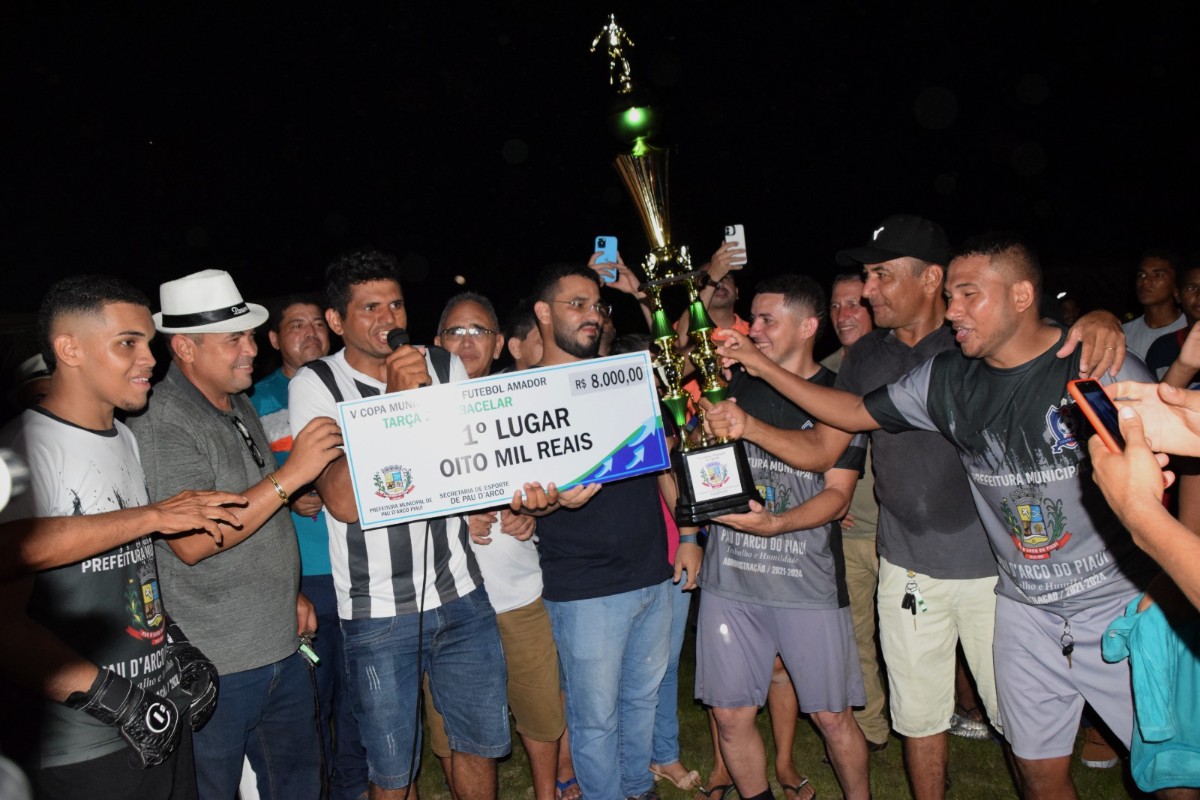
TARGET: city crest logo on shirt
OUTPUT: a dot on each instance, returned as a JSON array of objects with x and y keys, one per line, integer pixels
[
  {"x": 1060, "y": 422},
  {"x": 778, "y": 499},
  {"x": 1037, "y": 524},
  {"x": 714, "y": 475},
  {"x": 393, "y": 482},
  {"x": 145, "y": 605}
]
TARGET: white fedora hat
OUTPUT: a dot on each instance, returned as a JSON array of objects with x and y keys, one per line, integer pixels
[
  {"x": 206, "y": 302},
  {"x": 31, "y": 369}
]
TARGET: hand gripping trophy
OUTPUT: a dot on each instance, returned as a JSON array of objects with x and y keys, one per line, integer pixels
[{"x": 714, "y": 477}]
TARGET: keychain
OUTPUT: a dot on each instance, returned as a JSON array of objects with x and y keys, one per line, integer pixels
[
  {"x": 1067, "y": 641},
  {"x": 306, "y": 649},
  {"x": 913, "y": 600}
]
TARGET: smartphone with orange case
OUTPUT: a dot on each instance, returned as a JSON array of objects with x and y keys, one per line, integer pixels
[{"x": 1099, "y": 409}]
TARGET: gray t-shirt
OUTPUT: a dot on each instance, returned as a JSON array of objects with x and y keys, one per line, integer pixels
[
  {"x": 239, "y": 606},
  {"x": 1058, "y": 544},
  {"x": 798, "y": 569},
  {"x": 108, "y": 608},
  {"x": 927, "y": 521},
  {"x": 1139, "y": 336}
]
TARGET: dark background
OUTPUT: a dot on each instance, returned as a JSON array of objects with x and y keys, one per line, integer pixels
[{"x": 152, "y": 141}]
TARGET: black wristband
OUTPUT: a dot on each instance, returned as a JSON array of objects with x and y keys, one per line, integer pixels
[{"x": 78, "y": 700}]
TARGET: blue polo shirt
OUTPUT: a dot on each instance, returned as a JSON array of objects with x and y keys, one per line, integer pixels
[{"x": 270, "y": 398}]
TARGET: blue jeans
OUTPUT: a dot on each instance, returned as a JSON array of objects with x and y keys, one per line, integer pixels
[
  {"x": 345, "y": 758},
  {"x": 613, "y": 653},
  {"x": 666, "y": 718},
  {"x": 266, "y": 714},
  {"x": 461, "y": 652}
]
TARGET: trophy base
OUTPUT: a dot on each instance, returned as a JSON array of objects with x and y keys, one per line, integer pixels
[{"x": 713, "y": 480}]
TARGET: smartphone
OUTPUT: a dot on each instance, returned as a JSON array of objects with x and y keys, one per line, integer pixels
[
  {"x": 736, "y": 234},
  {"x": 607, "y": 245},
  {"x": 1090, "y": 397}
]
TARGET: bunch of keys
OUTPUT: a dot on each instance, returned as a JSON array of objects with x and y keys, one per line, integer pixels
[
  {"x": 913, "y": 599},
  {"x": 306, "y": 649},
  {"x": 1068, "y": 642}
]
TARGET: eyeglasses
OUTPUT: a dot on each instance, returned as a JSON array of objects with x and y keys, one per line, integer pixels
[
  {"x": 459, "y": 332},
  {"x": 603, "y": 309},
  {"x": 241, "y": 428}
]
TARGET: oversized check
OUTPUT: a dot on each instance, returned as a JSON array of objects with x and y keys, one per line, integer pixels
[{"x": 456, "y": 447}]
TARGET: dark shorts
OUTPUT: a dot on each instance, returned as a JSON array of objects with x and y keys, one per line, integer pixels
[
  {"x": 462, "y": 655},
  {"x": 112, "y": 777}
]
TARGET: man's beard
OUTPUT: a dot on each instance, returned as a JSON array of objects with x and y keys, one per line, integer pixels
[
  {"x": 574, "y": 348},
  {"x": 722, "y": 301}
]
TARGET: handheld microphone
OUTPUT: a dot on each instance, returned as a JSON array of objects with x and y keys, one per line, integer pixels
[{"x": 398, "y": 337}]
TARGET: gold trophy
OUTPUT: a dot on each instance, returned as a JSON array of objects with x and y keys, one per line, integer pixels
[{"x": 714, "y": 477}]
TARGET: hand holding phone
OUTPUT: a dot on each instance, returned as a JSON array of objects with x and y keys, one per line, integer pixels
[
  {"x": 606, "y": 246},
  {"x": 736, "y": 235},
  {"x": 1091, "y": 398}
]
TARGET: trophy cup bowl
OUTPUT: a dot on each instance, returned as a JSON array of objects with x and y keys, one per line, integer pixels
[{"x": 714, "y": 478}]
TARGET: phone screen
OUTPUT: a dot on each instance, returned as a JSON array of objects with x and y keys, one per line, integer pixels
[{"x": 1098, "y": 408}]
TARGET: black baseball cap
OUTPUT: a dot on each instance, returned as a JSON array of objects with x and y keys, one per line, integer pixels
[{"x": 898, "y": 236}]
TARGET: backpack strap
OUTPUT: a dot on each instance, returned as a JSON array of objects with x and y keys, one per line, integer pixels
[
  {"x": 325, "y": 373},
  {"x": 440, "y": 357}
]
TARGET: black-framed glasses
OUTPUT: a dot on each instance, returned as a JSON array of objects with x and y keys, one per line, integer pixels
[
  {"x": 459, "y": 331},
  {"x": 603, "y": 309},
  {"x": 245, "y": 432}
]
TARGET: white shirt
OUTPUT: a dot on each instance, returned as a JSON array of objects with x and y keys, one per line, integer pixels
[{"x": 373, "y": 571}]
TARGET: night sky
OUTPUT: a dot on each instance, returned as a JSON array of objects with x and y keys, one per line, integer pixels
[{"x": 154, "y": 141}]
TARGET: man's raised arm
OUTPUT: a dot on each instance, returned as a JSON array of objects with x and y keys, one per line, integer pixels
[
  {"x": 312, "y": 449},
  {"x": 41, "y": 543},
  {"x": 624, "y": 281},
  {"x": 834, "y": 407},
  {"x": 816, "y": 449}
]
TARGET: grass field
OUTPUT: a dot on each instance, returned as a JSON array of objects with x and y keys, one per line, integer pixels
[{"x": 977, "y": 769}]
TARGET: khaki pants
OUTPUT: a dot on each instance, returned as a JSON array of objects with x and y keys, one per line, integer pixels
[{"x": 862, "y": 576}]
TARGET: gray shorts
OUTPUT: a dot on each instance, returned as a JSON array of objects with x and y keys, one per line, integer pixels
[
  {"x": 736, "y": 644},
  {"x": 1041, "y": 698}
]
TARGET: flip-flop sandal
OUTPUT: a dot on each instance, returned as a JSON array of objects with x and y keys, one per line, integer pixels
[
  {"x": 717, "y": 792},
  {"x": 563, "y": 786},
  {"x": 787, "y": 787}
]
